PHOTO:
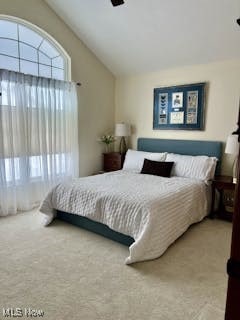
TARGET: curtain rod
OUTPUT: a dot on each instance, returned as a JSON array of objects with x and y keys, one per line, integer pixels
[
  {"x": 77, "y": 84},
  {"x": 31, "y": 75}
]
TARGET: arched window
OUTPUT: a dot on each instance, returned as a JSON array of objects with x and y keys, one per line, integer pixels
[
  {"x": 38, "y": 115},
  {"x": 26, "y": 48}
]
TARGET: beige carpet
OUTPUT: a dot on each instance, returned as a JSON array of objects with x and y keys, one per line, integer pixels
[{"x": 73, "y": 274}]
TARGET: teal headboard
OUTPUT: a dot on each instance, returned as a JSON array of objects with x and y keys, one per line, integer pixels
[{"x": 189, "y": 147}]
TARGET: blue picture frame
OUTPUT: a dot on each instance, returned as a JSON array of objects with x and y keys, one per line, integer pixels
[{"x": 179, "y": 107}]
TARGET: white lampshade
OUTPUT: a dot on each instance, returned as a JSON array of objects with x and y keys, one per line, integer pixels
[
  {"x": 122, "y": 130},
  {"x": 232, "y": 145}
]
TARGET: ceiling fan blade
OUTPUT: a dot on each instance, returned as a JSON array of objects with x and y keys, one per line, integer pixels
[
  {"x": 117, "y": 2},
  {"x": 238, "y": 21}
]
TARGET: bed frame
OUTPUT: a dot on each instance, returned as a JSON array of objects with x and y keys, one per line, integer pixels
[{"x": 188, "y": 147}]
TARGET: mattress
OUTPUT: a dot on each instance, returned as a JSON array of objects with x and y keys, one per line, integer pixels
[{"x": 153, "y": 210}]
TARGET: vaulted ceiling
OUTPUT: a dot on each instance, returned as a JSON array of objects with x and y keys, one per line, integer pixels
[{"x": 150, "y": 35}]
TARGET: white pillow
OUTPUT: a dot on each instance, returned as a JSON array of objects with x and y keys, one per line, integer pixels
[
  {"x": 134, "y": 159},
  {"x": 199, "y": 167}
]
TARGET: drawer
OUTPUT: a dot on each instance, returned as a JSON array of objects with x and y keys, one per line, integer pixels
[{"x": 112, "y": 161}]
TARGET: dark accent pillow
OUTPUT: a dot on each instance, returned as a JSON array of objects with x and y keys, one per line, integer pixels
[{"x": 157, "y": 168}]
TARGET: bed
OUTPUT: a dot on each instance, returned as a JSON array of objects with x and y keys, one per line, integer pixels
[{"x": 147, "y": 219}]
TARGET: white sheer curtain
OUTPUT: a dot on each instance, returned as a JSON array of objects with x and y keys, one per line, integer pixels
[{"x": 38, "y": 138}]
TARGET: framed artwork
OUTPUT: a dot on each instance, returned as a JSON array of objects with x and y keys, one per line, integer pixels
[{"x": 179, "y": 107}]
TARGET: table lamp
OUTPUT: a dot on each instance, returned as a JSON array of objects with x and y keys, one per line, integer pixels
[
  {"x": 122, "y": 130},
  {"x": 232, "y": 147}
]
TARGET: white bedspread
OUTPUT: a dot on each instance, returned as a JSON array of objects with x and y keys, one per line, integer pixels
[{"x": 153, "y": 210}]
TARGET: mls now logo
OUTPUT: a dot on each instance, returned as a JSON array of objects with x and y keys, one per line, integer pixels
[{"x": 19, "y": 313}]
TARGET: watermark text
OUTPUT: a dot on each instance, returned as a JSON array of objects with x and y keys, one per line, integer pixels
[{"x": 22, "y": 312}]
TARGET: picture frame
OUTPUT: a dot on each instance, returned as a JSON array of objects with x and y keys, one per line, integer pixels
[{"x": 179, "y": 107}]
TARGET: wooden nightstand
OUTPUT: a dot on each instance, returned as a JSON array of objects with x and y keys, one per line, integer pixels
[
  {"x": 113, "y": 161},
  {"x": 222, "y": 183}
]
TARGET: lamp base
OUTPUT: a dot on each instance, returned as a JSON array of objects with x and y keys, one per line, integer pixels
[
  {"x": 235, "y": 170},
  {"x": 122, "y": 145}
]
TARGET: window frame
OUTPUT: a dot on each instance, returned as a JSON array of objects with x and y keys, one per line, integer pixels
[
  {"x": 45, "y": 36},
  {"x": 67, "y": 77}
]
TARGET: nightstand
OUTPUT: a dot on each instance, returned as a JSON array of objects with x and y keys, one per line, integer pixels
[
  {"x": 113, "y": 161},
  {"x": 223, "y": 184}
]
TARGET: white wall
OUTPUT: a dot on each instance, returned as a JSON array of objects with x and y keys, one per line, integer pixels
[
  {"x": 96, "y": 95},
  {"x": 134, "y": 102}
]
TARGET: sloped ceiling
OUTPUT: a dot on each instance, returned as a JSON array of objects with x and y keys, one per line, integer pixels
[{"x": 150, "y": 35}]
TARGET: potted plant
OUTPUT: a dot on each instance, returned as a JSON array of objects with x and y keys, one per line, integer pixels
[{"x": 107, "y": 139}]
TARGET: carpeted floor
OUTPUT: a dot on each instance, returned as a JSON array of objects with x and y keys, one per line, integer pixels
[{"x": 71, "y": 273}]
